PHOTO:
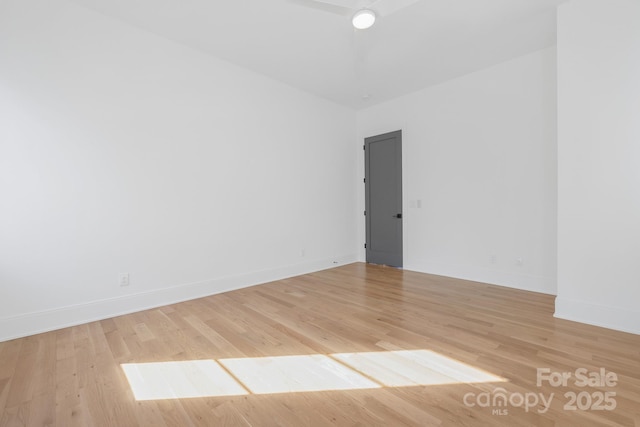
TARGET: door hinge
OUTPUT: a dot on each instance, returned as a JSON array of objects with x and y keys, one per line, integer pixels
[
  {"x": 365, "y": 212},
  {"x": 365, "y": 246},
  {"x": 364, "y": 180},
  {"x": 364, "y": 147}
]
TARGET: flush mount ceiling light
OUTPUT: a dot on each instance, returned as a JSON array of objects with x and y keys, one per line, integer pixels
[
  {"x": 363, "y": 19},
  {"x": 362, "y": 13}
]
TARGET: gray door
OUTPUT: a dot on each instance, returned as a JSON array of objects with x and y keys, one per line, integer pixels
[{"x": 383, "y": 198}]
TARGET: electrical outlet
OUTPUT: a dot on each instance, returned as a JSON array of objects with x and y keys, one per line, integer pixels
[{"x": 124, "y": 279}]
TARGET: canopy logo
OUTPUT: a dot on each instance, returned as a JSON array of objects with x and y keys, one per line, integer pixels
[{"x": 499, "y": 399}]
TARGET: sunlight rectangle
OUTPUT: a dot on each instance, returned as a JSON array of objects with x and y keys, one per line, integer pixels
[
  {"x": 299, "y": 373},
  {"x": 177, "y": 380},
  {"x": 414, "y": 367},
  {"x": 285, "y": 374}
]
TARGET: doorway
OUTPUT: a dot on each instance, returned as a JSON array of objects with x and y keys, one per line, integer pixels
[{"x": 383, "y": 198}]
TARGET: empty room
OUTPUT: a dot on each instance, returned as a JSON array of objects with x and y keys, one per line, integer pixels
[{"x": 319, "y": 213}]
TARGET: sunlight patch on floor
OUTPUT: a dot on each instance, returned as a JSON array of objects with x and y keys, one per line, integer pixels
[
  {"x": 176, "y": 380},
  {"x": 303, "y": 373},
  {"x": 285, "y": 374},
  {"x": 414, "y": 367}
]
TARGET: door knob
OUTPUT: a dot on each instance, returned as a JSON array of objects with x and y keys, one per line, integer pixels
[{"x": 397, "y": 215}]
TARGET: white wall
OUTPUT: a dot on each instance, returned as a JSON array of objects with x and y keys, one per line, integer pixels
[
  {"x": 479, "y": 152},
  {"x": 123, "y": 152},
  {"x": 599, "y": 163}
]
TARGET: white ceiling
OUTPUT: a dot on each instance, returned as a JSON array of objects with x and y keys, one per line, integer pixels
[{"x": 423, "y": 44}]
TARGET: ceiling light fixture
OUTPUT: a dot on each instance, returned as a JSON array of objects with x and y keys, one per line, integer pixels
[{"x": 363, "y": 19}]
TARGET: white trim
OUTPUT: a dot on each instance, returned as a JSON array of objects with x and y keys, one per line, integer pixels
[
  {"x": 63, "y": 317},
  {"x": 598, "y": 315}
]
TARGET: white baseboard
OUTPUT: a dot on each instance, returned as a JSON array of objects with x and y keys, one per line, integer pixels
[
  {"x": 598, "y": 315},
  {"x": 510, "y": 279},
  {"x": 44, "y": 321}
]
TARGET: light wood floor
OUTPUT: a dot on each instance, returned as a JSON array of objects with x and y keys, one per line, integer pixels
[{"x": 73, "y": 377}]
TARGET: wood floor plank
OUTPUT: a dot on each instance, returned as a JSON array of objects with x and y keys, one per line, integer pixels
[
  {"x": 22, "y": 381},
  {"x": 74, "y": 377},
  {"x": 9, "y": 356}
]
